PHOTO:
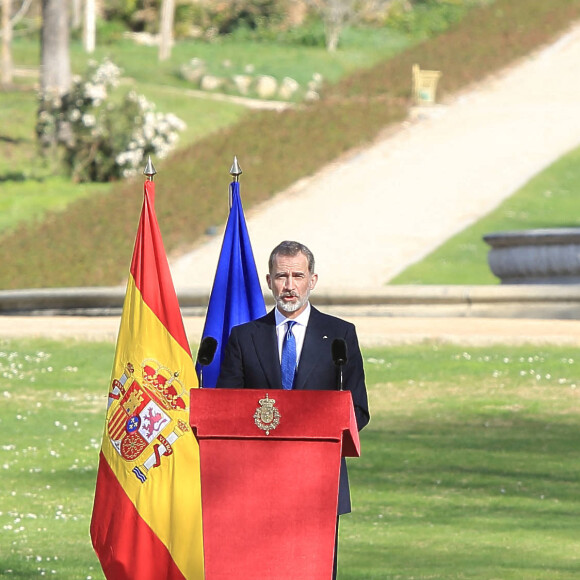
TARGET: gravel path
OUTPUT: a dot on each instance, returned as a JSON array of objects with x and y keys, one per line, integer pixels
[
  {"x": 371, "y": 330},
  {"x": 372, "y": 213}
]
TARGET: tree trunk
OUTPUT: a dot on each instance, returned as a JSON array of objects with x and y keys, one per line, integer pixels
[
  {"x": 332, "y": 36},
  {"x": 89, "y": 32},
  {"x": 166, "y": 29},
  {"x": 336, "y": 13},
  {"x": 55, "y": 69},
  {"x": 7, "y": 70},
  {"x": 76, "y": 17}
]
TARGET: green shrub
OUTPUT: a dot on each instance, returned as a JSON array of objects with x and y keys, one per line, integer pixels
[
  {"x": 425, "y": 18},
  {"x": 310, "y": 33},
  {"x": 228, "y": 17},
  {"x": 110, "y": 31}
]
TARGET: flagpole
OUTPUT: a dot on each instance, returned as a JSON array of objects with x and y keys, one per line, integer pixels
[{"x": 235, "y": 172}]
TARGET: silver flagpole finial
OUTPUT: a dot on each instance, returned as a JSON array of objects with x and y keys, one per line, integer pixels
[
  {"x": 236, "y": 170},
  {"x": 149, "y": 170}
]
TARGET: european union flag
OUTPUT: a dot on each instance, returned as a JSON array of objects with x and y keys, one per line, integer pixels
[{"x": 236, "y": 296}]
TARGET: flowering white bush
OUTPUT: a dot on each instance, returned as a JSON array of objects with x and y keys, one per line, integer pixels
[
  {"x": 156, "y": 133},
  {"x": 101, "y": 138}
]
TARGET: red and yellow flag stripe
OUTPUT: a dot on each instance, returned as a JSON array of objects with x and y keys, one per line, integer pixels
[{"x": 147, "y": 515}]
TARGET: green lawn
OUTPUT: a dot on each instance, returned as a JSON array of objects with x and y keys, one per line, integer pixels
[{"x": 468, "y": 467}]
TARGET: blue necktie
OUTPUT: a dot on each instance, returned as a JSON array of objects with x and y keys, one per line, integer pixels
[{"x": 288, "y": 357}]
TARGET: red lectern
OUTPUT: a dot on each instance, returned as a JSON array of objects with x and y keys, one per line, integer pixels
[{"x": 270, "y": 463}]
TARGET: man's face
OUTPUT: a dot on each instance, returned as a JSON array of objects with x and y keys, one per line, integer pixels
[{"x": 291, "y": 283}]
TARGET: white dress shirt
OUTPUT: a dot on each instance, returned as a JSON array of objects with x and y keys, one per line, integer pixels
[{"x": 298, "y": 330}]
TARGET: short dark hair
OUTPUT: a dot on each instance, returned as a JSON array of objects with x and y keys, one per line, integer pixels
[{"x": 289, "y": 248}]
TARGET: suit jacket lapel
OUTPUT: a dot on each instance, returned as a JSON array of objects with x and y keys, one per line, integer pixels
[
  {"x": 311, "y": 349},
  {"x": 266, "y": 345}
]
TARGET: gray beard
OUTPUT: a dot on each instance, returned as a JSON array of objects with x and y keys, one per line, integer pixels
[{"x": 288, "y": 307}]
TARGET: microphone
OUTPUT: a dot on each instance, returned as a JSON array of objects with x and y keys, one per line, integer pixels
[
  {"x": 206, "y": 351},
  {"x": 205, "y": 354},
  {"x": 339, "y": 351},
  {"x": 339, "y": 357}
]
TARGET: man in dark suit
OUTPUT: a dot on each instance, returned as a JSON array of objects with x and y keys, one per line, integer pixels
[{"x": 257, "y": 352}]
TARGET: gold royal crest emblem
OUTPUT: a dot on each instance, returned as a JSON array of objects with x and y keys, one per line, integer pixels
[{"x": 267, "y": 417}]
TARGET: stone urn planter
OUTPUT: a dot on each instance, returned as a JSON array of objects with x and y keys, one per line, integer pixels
[{"x": 540, "y": 256}]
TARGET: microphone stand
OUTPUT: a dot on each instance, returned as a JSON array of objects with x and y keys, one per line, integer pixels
[
  {"x": 205, "y": 355},
  {"x": 339, "y": 358}
]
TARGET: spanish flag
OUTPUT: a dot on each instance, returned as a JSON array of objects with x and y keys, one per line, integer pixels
[{"x": 146, "y": 520}]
